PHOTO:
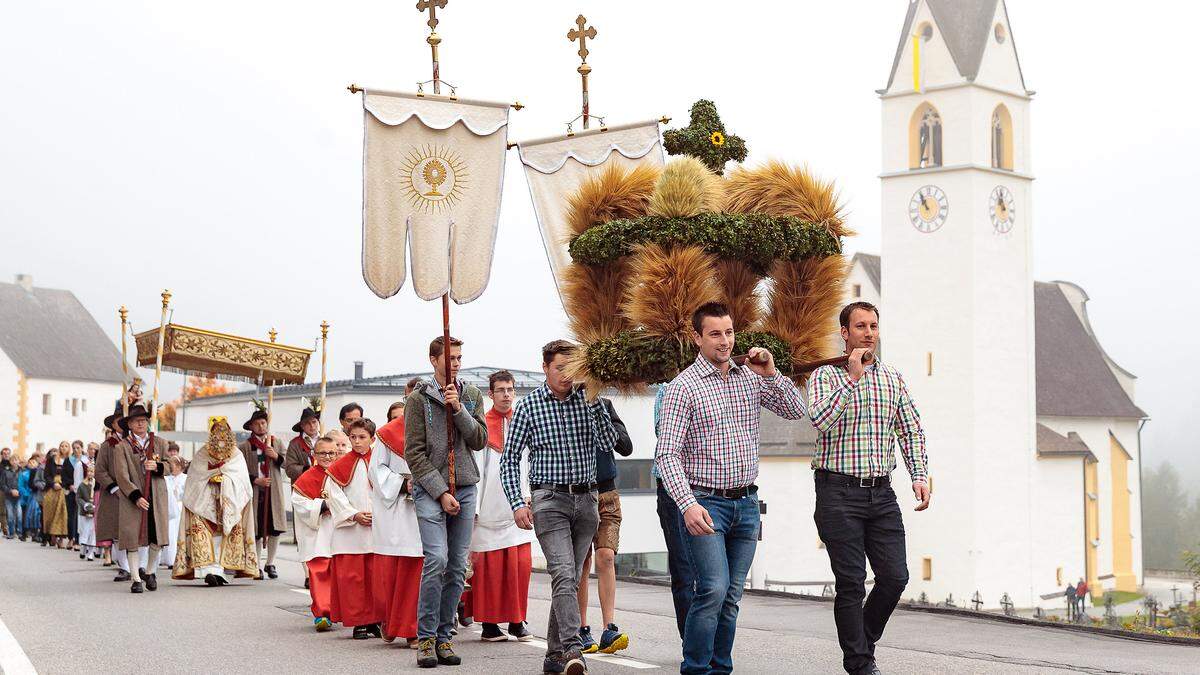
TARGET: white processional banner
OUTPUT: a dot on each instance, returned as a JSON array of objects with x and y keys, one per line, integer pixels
[
  {"x": 555, "y": 167},
  {"x": 433, "y": 169}
]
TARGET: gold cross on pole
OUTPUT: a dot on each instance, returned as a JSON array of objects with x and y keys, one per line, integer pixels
[
  {"x": 433, "y": 6},
  {"x": 582, "y": 35},
  {"x": 434, "y": 39}
]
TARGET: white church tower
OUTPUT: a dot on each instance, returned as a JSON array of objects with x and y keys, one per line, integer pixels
[{"x": 957, "y": 302}]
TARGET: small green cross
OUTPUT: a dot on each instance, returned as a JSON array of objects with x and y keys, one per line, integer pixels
[{"x": 705, "y": 138}]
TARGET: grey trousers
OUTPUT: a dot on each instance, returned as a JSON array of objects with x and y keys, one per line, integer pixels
[{"x": 565, "y": 525}]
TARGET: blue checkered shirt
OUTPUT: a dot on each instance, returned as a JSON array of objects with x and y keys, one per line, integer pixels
[{"x": 563, "y": 437}]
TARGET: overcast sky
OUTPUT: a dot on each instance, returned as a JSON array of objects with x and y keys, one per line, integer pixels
[{"x": 211, "y": 148}]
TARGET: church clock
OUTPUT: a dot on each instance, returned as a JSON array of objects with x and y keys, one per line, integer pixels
[
  {"x": 1001, "y": 210},
  {"x": 928, "y": 209}
]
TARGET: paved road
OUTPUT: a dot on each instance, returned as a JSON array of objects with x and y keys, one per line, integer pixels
[{"x": 67, "y": 616}]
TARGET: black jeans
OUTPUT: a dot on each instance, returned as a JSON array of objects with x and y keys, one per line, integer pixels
[
  {"x": 683, "y": 581},
  {"x": 856, "y": 524}
]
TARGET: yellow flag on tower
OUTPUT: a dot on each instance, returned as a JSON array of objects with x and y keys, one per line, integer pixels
[{"x": 916, "y": 61}]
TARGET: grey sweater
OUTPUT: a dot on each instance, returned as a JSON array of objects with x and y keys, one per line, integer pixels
[{"x": 425, "y": 437}]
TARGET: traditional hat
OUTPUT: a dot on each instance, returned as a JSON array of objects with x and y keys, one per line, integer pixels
[
  {"x": 260, "y": 413},
  {"x": 135, "y": 411},
  {"x": 108, "y": 421},
  {"x": 312, "y": 411}
]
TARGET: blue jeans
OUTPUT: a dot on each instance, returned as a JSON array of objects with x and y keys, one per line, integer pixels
[
  {"x": 12, "y": 511},
  {"x": 31, "y": 514},
  {"x": 682, "y": 580},
  {"x": 720, "y": 562},
  {"x": 446, "y": 541}
]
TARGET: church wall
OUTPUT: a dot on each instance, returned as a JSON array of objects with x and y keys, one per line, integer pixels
[
  {"x": 1094, "y": 432},
  {"x": 9, "y": 391},
  {"x": 1057, "y": 527}
]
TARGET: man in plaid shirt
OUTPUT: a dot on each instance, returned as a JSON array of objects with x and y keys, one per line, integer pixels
[
  {"x": 707, "y": 456},
  {"x": 563, "y": 431},
  {"x": 860, "y": 412}
]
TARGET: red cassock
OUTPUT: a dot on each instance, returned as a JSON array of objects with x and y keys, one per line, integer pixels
[
  {"x": 500, "y": 585},
  {"x": 353, "y": 592},
  {"x": 321, "y": 587},
  {"x": 396, "y": 586}
]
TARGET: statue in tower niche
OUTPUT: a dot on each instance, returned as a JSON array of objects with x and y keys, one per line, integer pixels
[{"x": 929, "y": 135}]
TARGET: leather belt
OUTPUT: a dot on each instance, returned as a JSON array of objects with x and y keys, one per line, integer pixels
[
  {"x": 575, "y": 489},
  {"x": 727, "y": 493},
  {"x": 835, "y": 478}
]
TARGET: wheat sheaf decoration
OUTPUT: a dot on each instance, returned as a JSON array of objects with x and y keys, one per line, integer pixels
[{"x": 649, "y": 246}]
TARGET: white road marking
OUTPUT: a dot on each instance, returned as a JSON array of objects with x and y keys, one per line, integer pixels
[
  {"x": 13, "y": 660},
  {"x": 540, "y": 644}
]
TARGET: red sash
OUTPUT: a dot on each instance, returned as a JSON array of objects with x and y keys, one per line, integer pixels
[
  {"x": 342, "y": 470},
  {"x": 311, "y": 483},
  {"x": 264, "y": 464},
  {"x": 307, "y": 448},
  {"x": 495, "y": 428},
  {"x": 392, "y": 436}
]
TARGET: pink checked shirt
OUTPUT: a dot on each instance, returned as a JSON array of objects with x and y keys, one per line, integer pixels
[{"x": 708, "y": 427}]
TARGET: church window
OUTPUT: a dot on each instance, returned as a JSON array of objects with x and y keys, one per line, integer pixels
[
  {"x": 858, "y": 290},
  {"x": 927, "y": 569},
  {"x": 75, "y": 407},
  {"x": 925, "y": 138},
  {"x": 83, "y": 404},
  {"x": 1000, "y": 33},
  {"x": 925, "y": 30},
  {"x": 1001, "y": 136},
  {"x": 45, "y": 404}
]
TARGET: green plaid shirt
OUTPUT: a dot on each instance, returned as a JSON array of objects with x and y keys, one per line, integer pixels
[{"x": 858, "y": 423}]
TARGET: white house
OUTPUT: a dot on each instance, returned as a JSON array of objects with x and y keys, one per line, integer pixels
[{"x": 59, "y": 373}]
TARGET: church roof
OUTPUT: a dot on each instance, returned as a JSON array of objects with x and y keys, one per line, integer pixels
[
  {"x": 1073, "y": 375},
  {"x": 48, "y": 334},
  {"x": 1050, "y": 443},
  {"x": 965, "y": 27}
]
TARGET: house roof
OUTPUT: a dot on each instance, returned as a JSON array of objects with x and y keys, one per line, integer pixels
[
  {"x": 965, "y": 27},
  {"x": 1050, "y": 443},
  {"x": 1073, "y": 376},
  {"x": 476, "y": 375},
  {"x": 48, "y": 334}
]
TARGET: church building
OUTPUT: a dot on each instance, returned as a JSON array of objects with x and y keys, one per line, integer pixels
[{"x": 1033, "y": 433}]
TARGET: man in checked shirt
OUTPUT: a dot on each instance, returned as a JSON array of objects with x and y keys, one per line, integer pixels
[
  {"x": 860, "y": 411},
  {"x": 707, "y": 456},
  {"x": 563, "y": 431}
]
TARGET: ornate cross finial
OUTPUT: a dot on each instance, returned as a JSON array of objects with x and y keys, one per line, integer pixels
[
  {"x": 433, "y": 6},
  {"x": 582, "y": 35},
  {"x": 273, "y": 334},
  {"x": 705, "y": 138},
  {"x": 324, "y": 329}
]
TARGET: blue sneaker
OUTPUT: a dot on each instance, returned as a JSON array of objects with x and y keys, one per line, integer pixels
[
  {"x": 612, "y": 640},
  {"x": 322, "y": 624},
  {"x": 587, "y": 644}
]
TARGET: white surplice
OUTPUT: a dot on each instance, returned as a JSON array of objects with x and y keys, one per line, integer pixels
[{"x": 394, "y": 516}]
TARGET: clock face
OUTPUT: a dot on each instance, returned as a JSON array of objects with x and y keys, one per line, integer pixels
[
  {"x": 1001, "y": 210},
  {"x": 928, "y": 209}
]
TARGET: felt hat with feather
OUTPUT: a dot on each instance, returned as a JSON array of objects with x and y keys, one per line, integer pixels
[
  {"x": 312, "y": 411},
  {"x": 260, "y": 413}
]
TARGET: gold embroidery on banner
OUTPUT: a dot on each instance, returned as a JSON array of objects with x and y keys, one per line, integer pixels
[
  {"x": 433, "y": 177},
  {"x": 215, "y": 351}
]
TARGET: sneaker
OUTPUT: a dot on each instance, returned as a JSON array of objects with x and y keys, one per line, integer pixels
[
  {"x": 446, "y": 655},
  {"x": 122, "y": 575},
  {"x": 136, "y": 587},
  {"x": 552, "y": 665},
  {"x": 612, "y": 640},
  {"x": 426, "y": 654},
  {"x": 322, "y": 624},
  {"x": 518, "y": 631},
  {"x": 272, "y": 573},
  {"x": 362, "y": 633},
  {"x": 492, "y": 633},
  {"x": 573, "y": 664},
  {"x": 151, "y": 582},
  {"x": 376, "y": 630},
  {"x": 587, "y": 644}
]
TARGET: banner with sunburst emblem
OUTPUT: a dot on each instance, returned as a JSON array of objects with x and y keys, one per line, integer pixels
[
  {"x": 555, "y": 167},
  {"x": 433, "y": 168}
]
